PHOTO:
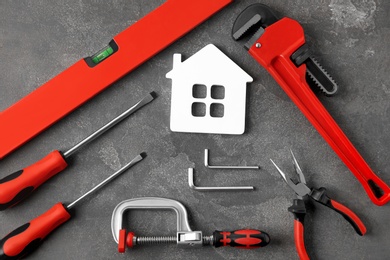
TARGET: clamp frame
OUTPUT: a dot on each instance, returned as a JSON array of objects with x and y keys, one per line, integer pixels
[{"x": 184, "y": 235}]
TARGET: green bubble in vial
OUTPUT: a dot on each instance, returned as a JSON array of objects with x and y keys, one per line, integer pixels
[{"x": 102, "y": 54}]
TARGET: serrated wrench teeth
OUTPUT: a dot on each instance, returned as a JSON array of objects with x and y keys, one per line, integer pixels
[
  {"x": 321, "y": 77},
  {"x": 241, "y": 31}
]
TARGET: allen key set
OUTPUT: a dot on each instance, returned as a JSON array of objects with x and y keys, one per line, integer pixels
[{"x": 191, "y": 177}]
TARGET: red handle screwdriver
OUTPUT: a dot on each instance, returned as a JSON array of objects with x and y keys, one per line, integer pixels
[
  {"x": 28, "y": 237},
  {"x": 18, "y": 186}
]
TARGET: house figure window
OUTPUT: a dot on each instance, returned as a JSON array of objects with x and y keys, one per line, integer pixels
[
  {"x": 208, "y": 93},
  {"x": 215, "y": 109}
]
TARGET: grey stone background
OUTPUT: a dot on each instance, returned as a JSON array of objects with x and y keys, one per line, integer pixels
[{"x": 39, "y": 39}]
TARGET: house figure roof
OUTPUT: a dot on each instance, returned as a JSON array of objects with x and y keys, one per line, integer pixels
[{"x": 210, "y": 58}]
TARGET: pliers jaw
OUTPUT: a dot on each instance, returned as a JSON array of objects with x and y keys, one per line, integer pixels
[
  {"x": 250, "y": 24},
  {"x": 299, "y": 186},
  {"x": 319, "y": 195}
]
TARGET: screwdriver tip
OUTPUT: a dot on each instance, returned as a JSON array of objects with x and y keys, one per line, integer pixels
[
  {"x": 143, "y": 155},
  {"x": 153, "y": 94},
  {"x": 147, "y": 99}
]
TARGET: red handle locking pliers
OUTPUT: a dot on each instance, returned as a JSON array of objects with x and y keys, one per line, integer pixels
[
  {"x": 319, "y": 195},
  {"x": 279, "y": 46}
]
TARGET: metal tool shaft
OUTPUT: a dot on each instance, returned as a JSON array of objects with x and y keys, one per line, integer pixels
[
  {"x": 111, "y": 124},
  {"x": 194, "y": 187},
  {"x": 155, "y": 240},
  {"x": 137, "y": 159},
  {"x": 232, "y": 167}
]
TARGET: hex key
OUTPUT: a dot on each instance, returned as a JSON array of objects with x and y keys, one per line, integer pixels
[
  {"x": 206, "y": 163},
  {"x": 192, "y": 185}
]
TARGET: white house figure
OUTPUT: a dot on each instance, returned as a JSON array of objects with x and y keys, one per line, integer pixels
[{"x": 208, "y": 93}]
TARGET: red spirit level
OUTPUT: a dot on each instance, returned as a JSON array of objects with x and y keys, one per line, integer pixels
[
  {"x": 87, "y": 77},
  {"x": 279, "y": 46}
]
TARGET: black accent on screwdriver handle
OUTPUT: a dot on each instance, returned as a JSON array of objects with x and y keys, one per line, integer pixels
[
  {"x": 19, "y": 185},
  {"x": 28, "y": 237}
]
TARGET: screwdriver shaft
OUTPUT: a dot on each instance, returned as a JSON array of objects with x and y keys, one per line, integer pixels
[
  {"x": 108, "y": 126},
  {"x": 137, "y": 159}
]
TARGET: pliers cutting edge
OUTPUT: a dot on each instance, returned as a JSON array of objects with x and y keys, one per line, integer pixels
[{"x": 319, "y": 195}]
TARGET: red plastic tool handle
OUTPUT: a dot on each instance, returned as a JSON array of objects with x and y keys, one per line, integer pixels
[
  {"x": 299, "y": 238},
  {"x": 349, "y": 215},
  {"x": 25, "y": 239},
  {"x": 299, "y": 211},
  {"x": 68, "y": 90},
  {"x": 245, "y": 238},
  {"x": 125, "y": 239},
  {"x": 277, "y": 44},
  {"x": 320, "y": 196},
  {"x": 18, "y": 186}
]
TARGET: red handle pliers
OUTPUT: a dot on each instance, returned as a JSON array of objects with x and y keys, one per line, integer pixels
[{"x": 319, "y": 195}]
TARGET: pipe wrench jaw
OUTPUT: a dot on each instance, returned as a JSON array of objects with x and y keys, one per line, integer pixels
[{"x": 251, "y": 24}]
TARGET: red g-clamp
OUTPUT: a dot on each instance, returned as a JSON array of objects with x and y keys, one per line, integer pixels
[
  {"x": 279, "y": 46},
  {"x": 185, "y": 236}
]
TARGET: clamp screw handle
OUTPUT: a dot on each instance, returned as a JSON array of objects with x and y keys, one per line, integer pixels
[{"x": 243, "y": 239}]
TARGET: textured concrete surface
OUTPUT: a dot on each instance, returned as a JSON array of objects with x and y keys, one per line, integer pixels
[{"x": 39, "y": 39}]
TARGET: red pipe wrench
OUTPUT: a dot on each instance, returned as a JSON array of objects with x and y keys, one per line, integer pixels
[
  {"x": 279, "y": 46},
  {"x": 89, "y": 76}
]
